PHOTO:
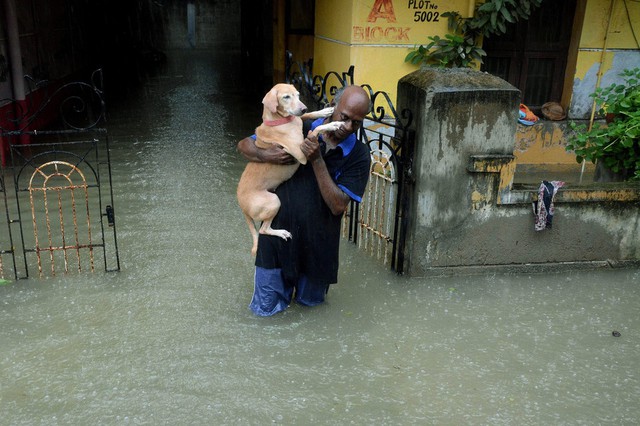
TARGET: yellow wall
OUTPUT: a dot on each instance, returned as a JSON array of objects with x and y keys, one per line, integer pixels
[
  {"x": 620, "y": 35},
  {"x": 369, "y": 61},
  {"x": 376, "y": 35},
  {"x": 612, "y": 36},
  {"x": 339, "y": 60},
  {"x": 401, "y": 23},
  {"x": 333, "y": 20},
  {"x": 542, "y": 143}
]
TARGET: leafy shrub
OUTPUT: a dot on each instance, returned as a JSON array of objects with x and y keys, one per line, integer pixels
[{"x": 615, "y": 143}]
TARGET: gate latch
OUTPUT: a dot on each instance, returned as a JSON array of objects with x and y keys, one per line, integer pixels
[{"x": 111, "y": 219}]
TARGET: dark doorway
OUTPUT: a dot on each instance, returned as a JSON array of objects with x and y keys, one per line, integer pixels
[
  {"x": 532, "y": 55},
  {"x": 257, "y": 44}
]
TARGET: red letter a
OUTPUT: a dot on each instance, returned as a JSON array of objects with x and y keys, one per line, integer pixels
[{"x": 382, "y": 9}]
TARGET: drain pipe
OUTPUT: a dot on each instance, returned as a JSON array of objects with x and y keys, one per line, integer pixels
[
  {"x": 599, "y": 75},
  {"x": 15, "y": 64},
  {"x": 15, "y": 54}
]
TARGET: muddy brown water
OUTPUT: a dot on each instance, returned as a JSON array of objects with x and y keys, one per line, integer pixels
[{"x": 170, "y": 340}]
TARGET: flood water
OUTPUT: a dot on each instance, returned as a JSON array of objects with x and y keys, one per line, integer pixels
[{"x": 170, "y": 340}]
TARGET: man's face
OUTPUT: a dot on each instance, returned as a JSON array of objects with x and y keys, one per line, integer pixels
[{"x": 352, "y": 109}]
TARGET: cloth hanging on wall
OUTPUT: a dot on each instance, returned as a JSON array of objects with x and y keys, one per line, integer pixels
[{"x": 543, "y": 209}]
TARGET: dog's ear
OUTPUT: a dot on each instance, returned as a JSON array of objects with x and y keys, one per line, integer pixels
[{"x": 270, "y": 100}]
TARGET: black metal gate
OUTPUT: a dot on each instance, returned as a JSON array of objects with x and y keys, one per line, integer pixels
[
  {"x": 379, "y": 224},
  {"x": 59, "y": 216}
]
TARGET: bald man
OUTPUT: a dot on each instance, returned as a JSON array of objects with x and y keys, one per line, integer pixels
[{"x": 313, "y": 202}]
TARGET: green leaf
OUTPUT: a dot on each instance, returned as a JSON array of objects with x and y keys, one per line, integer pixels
[
  {"x": 410, "y": 56},
  {"x": 486, "y": 7},
  {"x": 507, "y": 15},
  {"x": 481, "y": 22}
]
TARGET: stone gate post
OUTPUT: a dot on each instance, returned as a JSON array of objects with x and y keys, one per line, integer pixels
[{"x": 458, "y": 113}]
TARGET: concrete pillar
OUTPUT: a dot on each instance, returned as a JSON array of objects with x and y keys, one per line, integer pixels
[{"x": 458, "y": 113}]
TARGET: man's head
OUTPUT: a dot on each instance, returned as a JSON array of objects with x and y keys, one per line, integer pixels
[{"x": 351, "y": 105}]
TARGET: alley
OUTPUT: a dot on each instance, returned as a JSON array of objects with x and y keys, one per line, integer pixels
[{"x": 170, "y": 340}]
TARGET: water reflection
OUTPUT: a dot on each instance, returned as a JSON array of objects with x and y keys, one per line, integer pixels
[{"x": 170, "y": 340}]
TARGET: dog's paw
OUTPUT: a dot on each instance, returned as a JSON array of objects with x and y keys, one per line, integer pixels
[
  {"x": 326, "y": 112},
  {"x": 330, "y": 127},
  {"x": 282, "y": 233},
  {"x": 285, "y": 235}
]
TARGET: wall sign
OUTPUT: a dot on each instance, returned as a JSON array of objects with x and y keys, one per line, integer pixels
[{"x": 404, "y": 22}]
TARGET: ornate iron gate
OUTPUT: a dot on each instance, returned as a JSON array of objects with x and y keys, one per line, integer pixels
[
  {"x": 61, "y": 206},
  {"x": 379, "y": 224}
]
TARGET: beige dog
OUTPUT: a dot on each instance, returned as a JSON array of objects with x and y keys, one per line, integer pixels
[{"x": 282, "y": 117}]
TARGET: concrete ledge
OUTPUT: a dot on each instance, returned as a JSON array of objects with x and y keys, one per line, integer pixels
[
  {"x": 502, "y": 164},
  {"x": 511, "y": 194},
  {"x": 527, "y": 268},
  {"x": 623, "y": 192}
]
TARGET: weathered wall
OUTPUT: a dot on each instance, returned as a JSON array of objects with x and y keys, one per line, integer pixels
[
  {"x": 375, "y": 36},
  {"x": 607, "y": 45},
  {"x": 540, "y": 152},
  {"x": 465, "y": 210},
  {"x": 544, "y": 142}
]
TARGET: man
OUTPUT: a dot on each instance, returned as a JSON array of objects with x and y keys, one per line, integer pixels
[{"x": 313, "y": 202}]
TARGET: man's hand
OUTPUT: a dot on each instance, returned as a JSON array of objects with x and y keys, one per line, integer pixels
[
  {"x": 275, "y": 155},
  {"x": 311, "y": 148}
]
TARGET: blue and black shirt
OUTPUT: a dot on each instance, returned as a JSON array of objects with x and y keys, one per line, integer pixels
[{"x": 313, "y": 249}]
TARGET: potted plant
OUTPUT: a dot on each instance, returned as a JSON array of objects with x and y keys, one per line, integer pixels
[{"x": 614, "y": 144}]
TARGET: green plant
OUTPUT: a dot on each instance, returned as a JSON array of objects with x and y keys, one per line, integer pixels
[
  {"x": 493, "y": 16},
  {"x": 452, "y": 51},
  {"x": 615, "y": 143},
  {"x": 462, "y": 48}
]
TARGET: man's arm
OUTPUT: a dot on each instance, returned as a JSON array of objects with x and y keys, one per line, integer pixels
[
  {"x": 332, "y": 195},
  {"x": 335, "y": 197},
  {"x": 274, "y": 154}
]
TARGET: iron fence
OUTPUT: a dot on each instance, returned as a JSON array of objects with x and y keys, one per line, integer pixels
[{"x": 60, "y": 214}]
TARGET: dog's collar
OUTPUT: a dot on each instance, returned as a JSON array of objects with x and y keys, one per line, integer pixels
[{"x": 278, "y": 122}]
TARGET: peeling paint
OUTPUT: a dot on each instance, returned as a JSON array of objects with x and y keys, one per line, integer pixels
[{"x": 467, "y": 211}]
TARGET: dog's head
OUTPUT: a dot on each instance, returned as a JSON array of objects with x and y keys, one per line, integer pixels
[{"x": 284, "y": 99}]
